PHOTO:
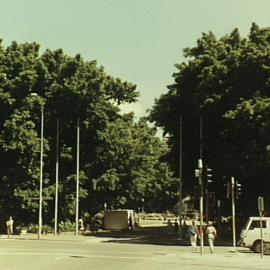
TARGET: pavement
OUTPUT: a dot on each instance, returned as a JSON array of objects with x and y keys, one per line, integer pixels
[
  {"x": 140, "y": 235},
  {"x": 144, "y": 248}
]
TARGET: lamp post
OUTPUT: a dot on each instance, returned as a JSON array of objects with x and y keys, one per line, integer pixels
[
  {"x": 233, "y": 211},
  {"x": 180, "y": 176},
  {"x": 41, "y": 167},
  {"x": 56, "y": 178},
  {"x": 77, "y": 178}
]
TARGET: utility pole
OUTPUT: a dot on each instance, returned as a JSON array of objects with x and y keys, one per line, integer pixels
[
  {"x": 233, "y": 211},
  {"x": 77, "y": 177},
  {"x": 56, "y": 178},
  {"x": 180, "y": 176},
  {"x": 200, "y": 171},
  {"x": 41, "y": 173},
  {"x": 41, "y": 164},
  {"x": 200, "y": 167},
  {"x": 261, "y": 210}
]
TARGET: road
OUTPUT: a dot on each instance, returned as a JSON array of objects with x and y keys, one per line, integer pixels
[{"x": 112, "y": 254}]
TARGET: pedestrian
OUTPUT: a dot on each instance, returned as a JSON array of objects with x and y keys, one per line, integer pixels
[
  {"x": 81, "y": 225},
  {"x": 130, "y": 223},
  {"x": 176, "y": 227},
  {"x": 193, "y": 233},
  {"x": 9, "y": 224},
  {"x": 211, "y": 235},
  {"x": 61, "y": 226}
]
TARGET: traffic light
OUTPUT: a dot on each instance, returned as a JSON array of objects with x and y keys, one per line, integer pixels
[
  {"x": 238, "y": 190},
  {"x": 208, "y": 175}
]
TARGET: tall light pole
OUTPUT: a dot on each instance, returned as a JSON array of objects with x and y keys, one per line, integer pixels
[
  {"x": 200, "y": 168},
  {"x": 41, "y": 167},
  {"x": 180, "y": 176},
  {"x": 77, "y": 177},
  {"x": 56, "y": 178},
  {"x": 233, "y": 211}
]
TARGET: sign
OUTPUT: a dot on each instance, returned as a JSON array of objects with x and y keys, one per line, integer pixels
[{"x": 261, "y": 204}]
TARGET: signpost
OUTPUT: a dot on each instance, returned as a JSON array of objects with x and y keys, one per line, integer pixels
[{"x": 261, "y": 210}]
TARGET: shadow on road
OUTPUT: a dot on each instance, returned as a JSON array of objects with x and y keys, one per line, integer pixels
[
  {"x": 144, "y": 235},
  {"x": 149, "y": 235}
]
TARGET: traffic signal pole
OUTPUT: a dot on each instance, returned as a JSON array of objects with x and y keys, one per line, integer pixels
[
  {"x": 233, "y": 211},
  {"x": 200, "y": 170},
  {"x": 200, "y": 167}
]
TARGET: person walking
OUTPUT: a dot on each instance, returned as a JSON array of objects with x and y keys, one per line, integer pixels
[
  {"x": 9, "y": 224},
  {"x": 80, "y": 225},
  {"x": 211, "y": 233},
  {"x": 193, "y": 233},
  {"x": 176, "y": 227}
]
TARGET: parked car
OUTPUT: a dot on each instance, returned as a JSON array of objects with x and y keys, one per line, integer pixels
[{"x": 250, "y": 236}]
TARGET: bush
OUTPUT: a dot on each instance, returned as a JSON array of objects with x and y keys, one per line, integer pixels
[
  {"x": 67, "y": 226},
  {"x": 33, "y": 228}
]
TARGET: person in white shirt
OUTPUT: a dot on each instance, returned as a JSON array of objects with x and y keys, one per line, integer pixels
[
  {"x": 211, "y": 235},
  {"x": 9, "y": 224},
  {"x": 193, "y": 234}
]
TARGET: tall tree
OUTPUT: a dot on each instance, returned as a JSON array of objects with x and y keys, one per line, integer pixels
[
  {"x": 220, "y": 80},
  {"x": 131, "y": 172},
  {"x": 68, "y": 87}
]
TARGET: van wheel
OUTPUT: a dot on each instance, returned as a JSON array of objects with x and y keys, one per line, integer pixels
[
  {"x": 257, "y": 247},
  {"x": 266, "y": 248}
]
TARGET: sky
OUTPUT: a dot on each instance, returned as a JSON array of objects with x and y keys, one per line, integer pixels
[{"x": 139, "y": 41}]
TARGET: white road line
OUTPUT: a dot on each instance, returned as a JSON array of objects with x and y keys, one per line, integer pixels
[{"x": 60, "y": 258}]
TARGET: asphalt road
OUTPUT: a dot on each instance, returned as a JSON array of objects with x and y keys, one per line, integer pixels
[{"x": 88, "y": 252}]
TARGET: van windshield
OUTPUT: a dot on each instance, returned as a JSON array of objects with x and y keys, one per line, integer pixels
[{"x": 254, "y": 224}]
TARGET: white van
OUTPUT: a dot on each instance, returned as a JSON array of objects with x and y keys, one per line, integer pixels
[{"x": 250, "y": 236}]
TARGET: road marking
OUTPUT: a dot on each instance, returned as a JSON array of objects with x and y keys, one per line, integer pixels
[{"x": 60, "y": 258}]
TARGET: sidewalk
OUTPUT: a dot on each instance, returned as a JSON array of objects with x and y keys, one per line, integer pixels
[
  {"x": 140, "y": 235},
  {"x": 69, "y": 236}
]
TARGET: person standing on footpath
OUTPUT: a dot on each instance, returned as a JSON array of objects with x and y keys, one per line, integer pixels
[
  {"x": 211, "y": 233},
  {"x": 193, "y": 233},
  {"x": 9, "y": 224}
]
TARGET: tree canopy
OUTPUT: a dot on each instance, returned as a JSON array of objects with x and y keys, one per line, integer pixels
[
  {"x": 120, "y": 159},
  {"x": 226, "y": 82}
]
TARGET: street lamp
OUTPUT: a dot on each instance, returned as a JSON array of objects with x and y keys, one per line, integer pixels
[
  {"x": 56, "y": 178},
  {"x": 77, "y": 178},
  {"x": 41, "y": 166}
]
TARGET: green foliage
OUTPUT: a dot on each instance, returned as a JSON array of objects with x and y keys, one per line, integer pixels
[
  {"x": 131, "y": 169},
  {"x": 226, "y": 81},
  {"x": 119, "y": 160}
]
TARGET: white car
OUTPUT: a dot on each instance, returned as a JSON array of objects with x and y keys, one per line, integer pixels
[{"x": 250, "y": 236}]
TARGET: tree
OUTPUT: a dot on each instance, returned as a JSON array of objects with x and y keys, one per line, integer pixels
[
  {"x": 225, "y": 81},
  {"x": 120, "y": 161},
  {"x": 69, "y": 87},
  {"x": 129, "y": 170}
]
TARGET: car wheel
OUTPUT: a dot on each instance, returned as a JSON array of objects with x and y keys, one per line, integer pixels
[{"x": 257, "y": 247}]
